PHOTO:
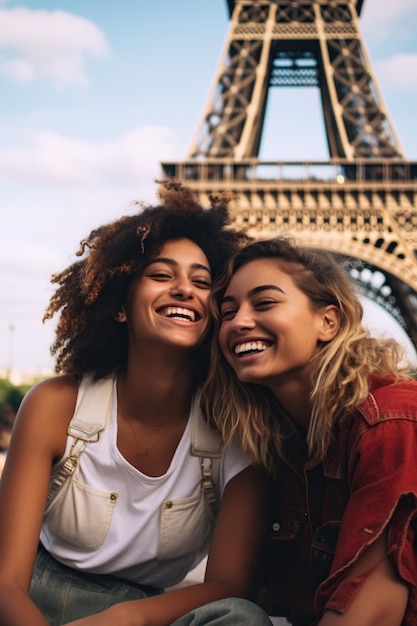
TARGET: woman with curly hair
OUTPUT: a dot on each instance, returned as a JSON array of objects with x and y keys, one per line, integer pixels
[
  {"x": 112, "y": 480},
  {"x": 329, "y": 411}
]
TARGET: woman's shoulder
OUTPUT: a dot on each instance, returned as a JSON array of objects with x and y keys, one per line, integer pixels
[
  {"x": 57, "y": 390},
  {"x": 50, "y": 403},
  {"x": 44, "y": 415},
  {"x": 390, "y": 398}
]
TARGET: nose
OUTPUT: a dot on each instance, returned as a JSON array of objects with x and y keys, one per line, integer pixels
[
  {"x": 182, "y": 288},
  {"x": 242, "y": 320}
]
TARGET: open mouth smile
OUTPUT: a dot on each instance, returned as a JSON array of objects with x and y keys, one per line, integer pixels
[
  {"x": 179, "y": 313},
  {"x": 250, "y": 347}
]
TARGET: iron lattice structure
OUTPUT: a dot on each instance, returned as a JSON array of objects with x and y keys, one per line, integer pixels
[{"x": 362, "y": 203}]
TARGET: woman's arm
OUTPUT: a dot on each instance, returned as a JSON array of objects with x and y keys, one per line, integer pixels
[
  {"x": 236, "y": 544},
  {"x": 39, "y": 438},
  {"x": 382, "y": 597}
]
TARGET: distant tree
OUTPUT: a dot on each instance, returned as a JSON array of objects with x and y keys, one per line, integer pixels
[{"x": 11, "y": 395}]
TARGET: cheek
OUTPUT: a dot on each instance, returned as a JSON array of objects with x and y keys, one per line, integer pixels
[{"x": 207, "y": 303}]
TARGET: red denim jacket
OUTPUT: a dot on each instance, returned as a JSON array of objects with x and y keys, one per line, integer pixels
[{"x": 325, "y": 514}]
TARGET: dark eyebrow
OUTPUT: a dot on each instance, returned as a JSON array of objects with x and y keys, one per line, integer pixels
[
  {"x": 254, "y": 291},
  {"x": 173, "y": 263}
]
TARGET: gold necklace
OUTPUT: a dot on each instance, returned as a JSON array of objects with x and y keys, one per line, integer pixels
[{"x": 158, "y": 429}]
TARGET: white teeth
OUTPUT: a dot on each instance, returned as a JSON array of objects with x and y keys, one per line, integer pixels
[
  {"x": 179, "y": 312},
  {"x": 250, "y": 346}
]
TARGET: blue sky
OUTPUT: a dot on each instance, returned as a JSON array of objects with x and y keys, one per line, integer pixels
[{"x": 94, "y": 94}]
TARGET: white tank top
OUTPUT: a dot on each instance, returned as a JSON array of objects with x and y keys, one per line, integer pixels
[{"x": 150, "y": 530}]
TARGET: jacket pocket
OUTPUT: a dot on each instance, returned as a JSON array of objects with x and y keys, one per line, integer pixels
[
  {"x": 323, "y": 549},
  {"x": 80, "y": 515},
  {"x": 286, "y": 526},
  {"x": 186, "y": 525}
]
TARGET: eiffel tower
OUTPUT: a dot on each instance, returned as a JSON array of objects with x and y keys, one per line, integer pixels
[{"x": 362, "y": 202}]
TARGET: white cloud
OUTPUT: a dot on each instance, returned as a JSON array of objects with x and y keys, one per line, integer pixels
[
  {"x": 25, "y": 272},
  {"x": 15, "y": 257},
  {"x": 387, "y": 10},
  {"x": 399, "y": 72},
  {"x": 56, "y": 159},
  {"x": 25, "y": 289},
  {"x": 37, "y": 44},
  {"x": 380, "y": 17},
  {"x": 54, "y": 190}
]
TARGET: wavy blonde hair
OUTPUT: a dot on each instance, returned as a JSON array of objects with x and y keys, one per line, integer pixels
[{"x": 341, "y": 369}]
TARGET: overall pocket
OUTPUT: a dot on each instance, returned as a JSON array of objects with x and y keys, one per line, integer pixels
[
  {"x": 80, "y": 515},
  {"x": 186, "y": 525}
]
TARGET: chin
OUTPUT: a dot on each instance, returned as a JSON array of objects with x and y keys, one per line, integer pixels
[{"x": 247, "y": 377}]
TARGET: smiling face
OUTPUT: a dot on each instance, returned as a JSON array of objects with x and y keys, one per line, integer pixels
[
  {"x": 269, "y": 331},
  {"x": 168, "y": 303}
]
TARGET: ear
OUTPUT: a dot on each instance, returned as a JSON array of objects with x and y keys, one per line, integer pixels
[
  {"x": 121, "y": 315},
  {"x": 330, "y": 323}
]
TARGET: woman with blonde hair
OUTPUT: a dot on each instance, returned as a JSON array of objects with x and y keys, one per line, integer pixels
[{"x": 328, "y": 409}]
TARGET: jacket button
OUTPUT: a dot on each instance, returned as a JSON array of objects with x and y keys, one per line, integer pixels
[
  {"x": 276, "y": 526},
  {"x": 168, "y": 505}
]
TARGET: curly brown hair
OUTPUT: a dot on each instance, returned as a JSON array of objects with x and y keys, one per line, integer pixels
[{"x": 93, "y": 290}]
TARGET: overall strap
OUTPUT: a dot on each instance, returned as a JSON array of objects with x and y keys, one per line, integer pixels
[
  {"x": 206, "y": 444},
  {"x": 91, "y": 417}
]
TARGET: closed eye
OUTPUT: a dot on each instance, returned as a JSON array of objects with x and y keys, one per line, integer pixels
[
  {"x": 227, "y": 314},
  {"x": 265, "y": 303},
  {"x": 203, "y": 283},
  {"x": 160, "y": 276}
]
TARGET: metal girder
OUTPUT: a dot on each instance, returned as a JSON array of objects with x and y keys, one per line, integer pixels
[
  {"x": 392, "y": 294},
  {"x": 231, "y": 5},
  {"x": 287, "y": 43},
  {"x": 365, "y": 210},
  {"x": 362, "y": 203}
]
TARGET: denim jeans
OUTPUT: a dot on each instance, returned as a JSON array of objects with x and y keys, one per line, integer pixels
[
  {"x": 63, "y": 595},
  {"x": 230, "y": 611}
]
